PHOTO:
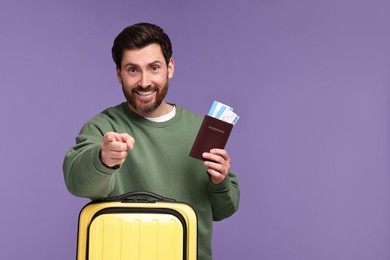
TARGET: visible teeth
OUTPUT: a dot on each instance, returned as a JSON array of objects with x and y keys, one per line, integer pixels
[{"x": 144, "y": 93}]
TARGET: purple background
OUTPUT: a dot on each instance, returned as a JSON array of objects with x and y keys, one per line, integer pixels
[{"x": 310, "y": 80}]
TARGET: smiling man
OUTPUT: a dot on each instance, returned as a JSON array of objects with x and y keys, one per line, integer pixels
[
  {"x": 144, "y": 77},
  {"x": 143, "y": 144}
]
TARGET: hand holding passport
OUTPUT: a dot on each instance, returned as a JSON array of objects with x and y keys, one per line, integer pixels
[{"x": 215, "y": 129}]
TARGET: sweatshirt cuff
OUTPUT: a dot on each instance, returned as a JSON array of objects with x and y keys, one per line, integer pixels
[
  {"x": 98, "y": 164},
  {"x": 221, "y": 187}
]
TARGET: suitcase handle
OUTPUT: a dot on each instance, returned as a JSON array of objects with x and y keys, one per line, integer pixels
[{"x": 139, "y": 197}]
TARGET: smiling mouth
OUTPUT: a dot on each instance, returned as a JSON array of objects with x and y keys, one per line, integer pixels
[{"x": 145, "y": 93}]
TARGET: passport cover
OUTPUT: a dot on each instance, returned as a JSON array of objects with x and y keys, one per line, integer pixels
[{"x": 213, "y": 133}]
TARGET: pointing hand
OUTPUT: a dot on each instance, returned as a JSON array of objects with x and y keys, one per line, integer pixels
[{"x": 114, "y": 148}]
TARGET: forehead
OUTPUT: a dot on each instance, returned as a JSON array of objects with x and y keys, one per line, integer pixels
[{"x": 146, "y": 55}]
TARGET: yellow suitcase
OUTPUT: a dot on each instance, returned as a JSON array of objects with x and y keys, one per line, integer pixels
[{"x": 137, "y": 226}]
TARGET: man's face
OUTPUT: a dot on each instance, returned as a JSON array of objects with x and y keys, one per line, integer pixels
[{"x": 144, "y": 78}]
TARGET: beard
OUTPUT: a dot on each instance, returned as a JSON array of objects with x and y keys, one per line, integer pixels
[{"x": 145, "y": 107}]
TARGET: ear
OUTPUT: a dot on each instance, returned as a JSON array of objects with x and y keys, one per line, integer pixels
[
  {"x": 171, "y": 68},
  {"x": 118, "y": 74}
]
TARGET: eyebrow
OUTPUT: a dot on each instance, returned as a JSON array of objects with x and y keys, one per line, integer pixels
[{"x": 136, "y": 65}]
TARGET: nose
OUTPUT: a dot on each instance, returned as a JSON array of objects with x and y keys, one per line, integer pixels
[{"x": 144, "y": 80}]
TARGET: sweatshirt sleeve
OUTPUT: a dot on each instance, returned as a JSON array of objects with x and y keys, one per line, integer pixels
[
  {"x": 224, "y": 197},
  {"x": 85, "y": 175}
]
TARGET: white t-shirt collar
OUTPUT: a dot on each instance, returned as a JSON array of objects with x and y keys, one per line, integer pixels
[{"x": 163, "y": 118}]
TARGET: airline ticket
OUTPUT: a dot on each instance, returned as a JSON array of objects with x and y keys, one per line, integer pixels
[{"x": 223, "y": 112}]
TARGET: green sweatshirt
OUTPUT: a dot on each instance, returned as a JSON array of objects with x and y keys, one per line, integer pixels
[{"x": 158, "y": 163}]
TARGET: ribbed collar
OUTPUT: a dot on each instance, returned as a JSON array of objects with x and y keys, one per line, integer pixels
[{"x": 143, "y": 121}]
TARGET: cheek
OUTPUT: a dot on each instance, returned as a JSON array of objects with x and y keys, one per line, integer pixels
[
  {"x": 161, "y": 80},
  {"x": 129, "y": 82}
]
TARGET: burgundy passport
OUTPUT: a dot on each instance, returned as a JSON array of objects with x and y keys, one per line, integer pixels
[{"x": 213, "y": 133}]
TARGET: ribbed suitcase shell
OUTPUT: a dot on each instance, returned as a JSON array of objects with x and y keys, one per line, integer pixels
[{"x": 153, "y": 230}]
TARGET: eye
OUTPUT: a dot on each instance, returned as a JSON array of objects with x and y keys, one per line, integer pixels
[
  {"x": 132, "y": 70},
  {"x": 154, "y": 68}
]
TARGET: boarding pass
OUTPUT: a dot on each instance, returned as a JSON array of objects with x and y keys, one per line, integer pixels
[{"x": 223, "y": 112}]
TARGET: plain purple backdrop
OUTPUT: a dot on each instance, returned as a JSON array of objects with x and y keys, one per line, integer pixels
[{"x": 310, "y": 80}]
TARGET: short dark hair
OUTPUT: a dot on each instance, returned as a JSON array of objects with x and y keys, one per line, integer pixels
[{"x": 138, "y": 36}]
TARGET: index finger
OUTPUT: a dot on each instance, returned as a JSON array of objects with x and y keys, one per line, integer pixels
[
  {"x": 221, "y": 152},
  {"x": 128, "y": 140},
  {"x": 124, "y": 138}
]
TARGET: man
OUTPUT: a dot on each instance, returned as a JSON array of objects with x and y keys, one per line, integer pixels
[{"x": 143, "y": 144}]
